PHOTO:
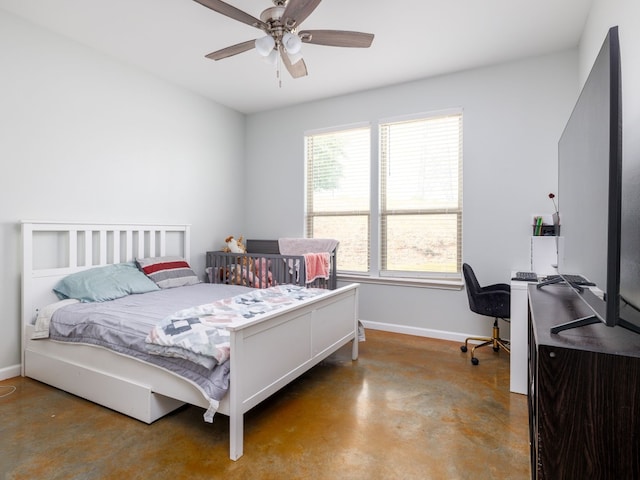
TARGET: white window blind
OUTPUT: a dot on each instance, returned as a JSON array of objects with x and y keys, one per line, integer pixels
[
  {"x": 338, "y": 193},
  {"x": 421, "y": 195}
]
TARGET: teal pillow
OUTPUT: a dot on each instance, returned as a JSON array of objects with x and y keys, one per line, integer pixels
[{"x": 100, "y": 284}]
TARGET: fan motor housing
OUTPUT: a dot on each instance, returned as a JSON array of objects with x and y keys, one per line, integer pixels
[{"x": 271, "y": 15}]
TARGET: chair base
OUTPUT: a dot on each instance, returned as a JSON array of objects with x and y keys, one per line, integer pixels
[{"x": 495, "y": 341}]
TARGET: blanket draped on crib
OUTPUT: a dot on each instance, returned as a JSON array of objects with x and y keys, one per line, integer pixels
[{"x": 316, "y": 253}]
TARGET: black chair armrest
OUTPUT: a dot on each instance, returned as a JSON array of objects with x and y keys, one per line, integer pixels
[
  {"x": 494, "y": 302},
  {"x": 504, "y": 287}
]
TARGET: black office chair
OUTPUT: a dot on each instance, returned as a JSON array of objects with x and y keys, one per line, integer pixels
[{"x": 492, "y": 301}]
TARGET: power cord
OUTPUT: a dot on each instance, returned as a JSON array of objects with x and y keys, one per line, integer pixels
[{"x": 11, "y": 390}]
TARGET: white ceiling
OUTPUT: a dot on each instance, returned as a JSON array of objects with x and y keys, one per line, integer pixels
[{"x": 413, "y": 39}]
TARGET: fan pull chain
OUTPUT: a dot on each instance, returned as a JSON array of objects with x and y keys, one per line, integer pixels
[{"x": 278, "y": 77}]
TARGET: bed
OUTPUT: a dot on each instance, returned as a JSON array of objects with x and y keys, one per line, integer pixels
[{"x": 308, "y": 331}]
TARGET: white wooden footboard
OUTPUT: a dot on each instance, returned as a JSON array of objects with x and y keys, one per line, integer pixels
[{"x": 268, "y": 354}]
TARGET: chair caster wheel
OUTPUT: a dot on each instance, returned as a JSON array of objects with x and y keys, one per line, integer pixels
[
  {"x": 475, "y": 361},
  {"x": 496, "y": 349},
  {"x": 463, "y": 348}
]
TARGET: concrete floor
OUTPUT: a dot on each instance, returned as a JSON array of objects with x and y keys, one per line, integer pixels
[{"x": 409, "y": 408}]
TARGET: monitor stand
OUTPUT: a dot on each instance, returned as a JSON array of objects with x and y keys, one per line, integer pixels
[
  {"x": 589, "y": 319},
  {"x": 579, "y": 322},
  {"x": 560, "y": 279}
]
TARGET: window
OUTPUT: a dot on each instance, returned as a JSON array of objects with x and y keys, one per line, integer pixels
[
  {"x": 421, "y": 195},
  {"x": 338, "y": 193},
  {"x": 406, "y": 219}
]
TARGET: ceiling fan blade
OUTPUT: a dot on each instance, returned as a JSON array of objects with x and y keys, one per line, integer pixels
[
  {"x": 297, "y": 11},
  {"x": 337, "y": 38},
  {"x": 298, "y": 69},
  {"x": 232, "y": 50},
  {"x": 234, "y": 13}
]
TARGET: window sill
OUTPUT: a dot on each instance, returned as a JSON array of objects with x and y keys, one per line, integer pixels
[{"x": 441, "y": 283}]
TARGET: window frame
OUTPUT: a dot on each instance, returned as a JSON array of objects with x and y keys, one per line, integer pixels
[
  {"x": 458, "y": 211},
  {"x": 308, "y": 219},
  {"x": 375, "y": 274}
]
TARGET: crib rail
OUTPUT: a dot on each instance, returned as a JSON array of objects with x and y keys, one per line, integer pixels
[{"x": 262, "y": 270}]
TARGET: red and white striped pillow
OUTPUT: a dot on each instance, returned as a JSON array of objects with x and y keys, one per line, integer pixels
[{"x": 168, "y": 272}]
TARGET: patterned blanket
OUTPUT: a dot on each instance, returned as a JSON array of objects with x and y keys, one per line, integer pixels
[{"x": 198, "y": 334}]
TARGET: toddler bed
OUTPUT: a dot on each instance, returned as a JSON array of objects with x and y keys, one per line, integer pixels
[{"x": 302, "y": 332}]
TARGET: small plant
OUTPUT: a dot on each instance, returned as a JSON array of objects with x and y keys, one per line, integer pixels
[{"x": 556, "y": 215}]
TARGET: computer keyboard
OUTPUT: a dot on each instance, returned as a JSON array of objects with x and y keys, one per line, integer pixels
[
  {"x": 573, "y": 279},
  {"x": 526, "y": 276}
]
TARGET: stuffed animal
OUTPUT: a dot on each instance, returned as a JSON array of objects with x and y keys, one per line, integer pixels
[
  {"x": 233, "y": 245},
  {"x": 243, "y": 270},
  {"x": 239, "y": 272}
]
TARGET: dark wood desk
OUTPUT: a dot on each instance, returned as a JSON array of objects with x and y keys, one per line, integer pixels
[{"x": 584, "y": 393}]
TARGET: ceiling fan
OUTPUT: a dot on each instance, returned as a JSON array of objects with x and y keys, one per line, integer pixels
[{"x": 282, "y": 37}]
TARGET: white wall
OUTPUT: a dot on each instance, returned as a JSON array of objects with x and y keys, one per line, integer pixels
[
  {"x": 85, "y": 138},
  {"x": 603, "y": 15},
  {"x": 513, "y": 116}
]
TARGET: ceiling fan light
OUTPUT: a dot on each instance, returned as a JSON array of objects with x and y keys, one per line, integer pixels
[
  {"x": 291, "y": 42},
  {"x": 264, "y": 45},
  {"x": 272, "y": 58}
]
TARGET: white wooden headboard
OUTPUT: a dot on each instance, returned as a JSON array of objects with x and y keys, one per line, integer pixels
[{"x": 52, "y": 250}]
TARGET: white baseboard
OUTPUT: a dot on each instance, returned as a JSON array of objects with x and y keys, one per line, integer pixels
[
  {"x": 9, "y": 372},
  {"x": 418, "y": 331}
]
